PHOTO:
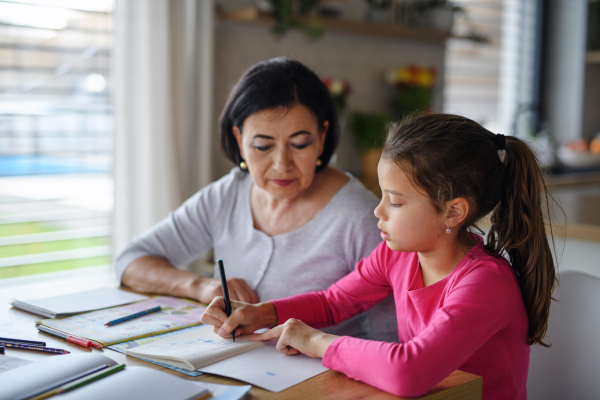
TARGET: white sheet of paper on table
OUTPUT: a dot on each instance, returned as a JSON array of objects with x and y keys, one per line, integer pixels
[
  {"x": 7, "y": 363},
  {"x": 267, "y": 368}
]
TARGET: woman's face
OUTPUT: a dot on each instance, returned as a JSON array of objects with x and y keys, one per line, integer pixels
[{"x": 281, "y": 147}]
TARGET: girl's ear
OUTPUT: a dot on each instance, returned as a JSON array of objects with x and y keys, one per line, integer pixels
[
  {"x": 458, "y": 210},
  {"x": 238, "y": 137}
]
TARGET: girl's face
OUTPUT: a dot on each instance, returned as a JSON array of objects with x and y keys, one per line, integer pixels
[
  {"x": 407, "y": 219},
  {"x": 281, "y": 147}
]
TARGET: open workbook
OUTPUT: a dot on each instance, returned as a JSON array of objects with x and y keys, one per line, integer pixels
[
  {"x": 175, "y": 314},
  {"x": 194, "y": 349},
  {"x": 258, "y": 363}
]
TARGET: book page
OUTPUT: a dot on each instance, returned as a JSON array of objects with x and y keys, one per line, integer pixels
[
  {"x": 7, "y": 363},
  {"x": 31, "y": 378},
  {"x": 138, "y": 383},
  {"x": 176, "y": 314},
  {"x": 268, "y": 368},
  {"x": 194, "y": 349},
  {"x": 123, "y": 347}
]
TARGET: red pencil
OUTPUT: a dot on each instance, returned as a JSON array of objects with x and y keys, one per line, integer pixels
[{"x": 69, "y": 338}]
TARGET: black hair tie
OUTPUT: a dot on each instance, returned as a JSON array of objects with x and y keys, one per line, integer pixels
[{"x": 500, "y": 141}]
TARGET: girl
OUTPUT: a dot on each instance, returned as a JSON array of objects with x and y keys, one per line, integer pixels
[{"x": 460, "y": 304}]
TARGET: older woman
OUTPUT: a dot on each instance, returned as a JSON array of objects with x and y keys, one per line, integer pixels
[{"x": 282, "y": 221}]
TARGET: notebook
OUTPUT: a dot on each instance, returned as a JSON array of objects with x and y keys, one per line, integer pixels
[
  {"x": 122, "y": 348},
  {"x": 194, "y": 348},
  {"x": 258, "y": 363},
  {"x": 176, "y": 314},
  {"x": 132, "y": 383},
  {"x": 77, "y": 303}
]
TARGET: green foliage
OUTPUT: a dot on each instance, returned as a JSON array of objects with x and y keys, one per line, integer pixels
[
  {"x": 369, "y": 130},
  {"x": 412, "y": 99},
  {"x": 286, "y": 14}
]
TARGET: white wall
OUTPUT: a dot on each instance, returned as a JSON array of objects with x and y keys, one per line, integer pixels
[
  {"x": 362, "y": 59},
  {"x": 579, "y": 255}
]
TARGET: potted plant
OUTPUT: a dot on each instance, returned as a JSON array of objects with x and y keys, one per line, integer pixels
[
  {"x": 413, "y": 89},
  {"x": 293, "y": 14},
  {"x": 369, "y": 131}
]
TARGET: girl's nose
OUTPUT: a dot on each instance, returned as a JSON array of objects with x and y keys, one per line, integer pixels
[{"x": 379, "y": 211}]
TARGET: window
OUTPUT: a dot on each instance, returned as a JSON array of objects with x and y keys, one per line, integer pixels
[
  {"x": 55, "y": 135},
  {"x": 472, "y": 74}
]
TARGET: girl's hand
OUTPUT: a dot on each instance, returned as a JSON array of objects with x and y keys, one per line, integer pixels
[
  {"x": 245, "y": 318},
  {"x": 297, "y": 337}
]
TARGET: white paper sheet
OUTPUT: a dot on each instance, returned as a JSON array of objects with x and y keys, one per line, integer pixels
[
  {"x": 225, "y": 392},
  {"x": 79, "y": 302},
  {"x": 194, "y": 348},
  {"x": 137, "y": 383},
  {"x": 268, "y": 368},
  {"x": 7, "y": 363}
]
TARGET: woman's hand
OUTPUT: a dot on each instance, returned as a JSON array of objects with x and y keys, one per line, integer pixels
[
  {"x": 297, "y": 337},
  {"x": 239, "y": 290},
  {"x": 245, "y": 318}
]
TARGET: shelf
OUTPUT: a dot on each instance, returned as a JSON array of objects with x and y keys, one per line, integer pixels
[
  {"x": 253, "y": 17},
  {"x": 593, "y": 57}
]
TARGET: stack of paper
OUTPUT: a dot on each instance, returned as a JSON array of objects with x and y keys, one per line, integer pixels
[{"x": 77, "y": 303}]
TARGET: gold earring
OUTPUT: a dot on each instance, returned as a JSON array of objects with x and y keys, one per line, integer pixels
[
  {"x": 319, "y": 162},
  {"x": 243, "y": 165}
]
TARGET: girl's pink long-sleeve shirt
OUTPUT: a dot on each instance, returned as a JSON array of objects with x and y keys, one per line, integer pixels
[{"x": 473, "y": 320}]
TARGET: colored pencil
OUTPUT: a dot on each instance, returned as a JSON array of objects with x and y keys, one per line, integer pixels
[
  {"x": 228, "y": 308},
  {"x": 34, "y": 348},
  {"x": 22, "y": 341},
  {"x": 132, "y": 316},
  {"x": 69, "y": 338}
]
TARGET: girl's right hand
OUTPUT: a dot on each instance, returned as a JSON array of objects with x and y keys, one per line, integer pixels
[{"x": 245, "y": 318}]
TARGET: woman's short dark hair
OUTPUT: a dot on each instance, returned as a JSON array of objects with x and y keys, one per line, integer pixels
[{"x": 278, "y": 82}]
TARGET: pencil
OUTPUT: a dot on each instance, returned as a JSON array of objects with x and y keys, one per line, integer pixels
[
  {"x": 22, "y": 341},
  {"x": 34, "y": 348},
  {"x": 225, "y": 292},
  {"x": 128, "y": 317},
  {"x": 69, "y": 338}
]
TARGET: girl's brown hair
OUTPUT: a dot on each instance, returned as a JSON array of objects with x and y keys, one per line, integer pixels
[{"x": 449, "y": 156}]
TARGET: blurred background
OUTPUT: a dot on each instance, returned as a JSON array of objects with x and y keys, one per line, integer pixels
[{"x": 109, "y": 109}]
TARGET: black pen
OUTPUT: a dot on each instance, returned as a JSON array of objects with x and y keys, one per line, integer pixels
[{"x": 225, "y": 292}]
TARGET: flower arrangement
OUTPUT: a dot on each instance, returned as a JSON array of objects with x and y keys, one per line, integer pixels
[
  {"x": 339, "y": 89},
  {"x": 413, "y": 86}
]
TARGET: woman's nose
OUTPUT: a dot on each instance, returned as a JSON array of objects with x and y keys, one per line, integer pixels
[{"x": 283, "y": 160}]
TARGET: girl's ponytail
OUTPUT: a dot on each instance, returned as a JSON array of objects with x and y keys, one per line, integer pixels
[{"x": 518, "y": 228}]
